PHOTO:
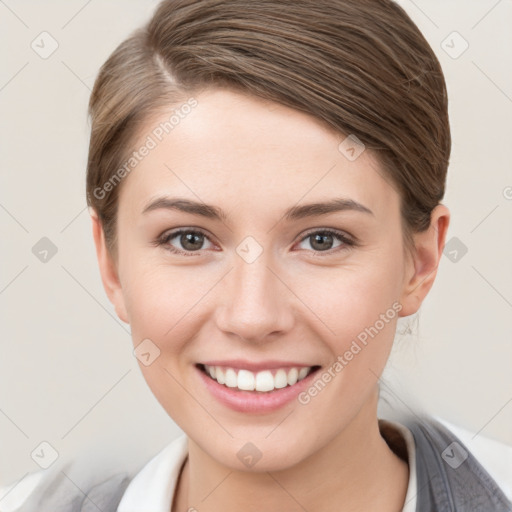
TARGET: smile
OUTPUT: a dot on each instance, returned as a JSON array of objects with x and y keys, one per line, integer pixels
[
  {"x": 263, "y": 381},
  {"x": 262, "y": 389}
]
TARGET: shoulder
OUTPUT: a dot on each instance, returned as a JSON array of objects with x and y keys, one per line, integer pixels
[
  {"x": 449, "y": 476},
  {"x": 75, "y": 486},
  {"x": 56, "y": 491}
]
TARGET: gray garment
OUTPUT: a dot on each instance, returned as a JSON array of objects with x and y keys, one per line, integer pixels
[
  {"x": 449, "y": 479},
  {"x": 62, "y": 495}
]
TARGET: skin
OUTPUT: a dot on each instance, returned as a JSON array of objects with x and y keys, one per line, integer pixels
[{"x": 254, "y": 159}]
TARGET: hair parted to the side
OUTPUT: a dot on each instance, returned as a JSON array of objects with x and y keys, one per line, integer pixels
[{"x": 362, "y": 67}]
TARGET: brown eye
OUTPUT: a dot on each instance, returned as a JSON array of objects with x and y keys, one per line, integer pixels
[
  {"x": 191, "y": 241},
  {"x": 321, "y": 242},
  {"x": 325, "y": 240},
  {"x": 184, "y": 241}
]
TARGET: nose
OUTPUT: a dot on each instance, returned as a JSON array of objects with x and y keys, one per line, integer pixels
[{"x": 256, "y": 304}]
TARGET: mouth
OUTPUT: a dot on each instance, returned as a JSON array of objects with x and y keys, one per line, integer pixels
[
  {"x": 257, "y": 382},
  {"x": 261, "y": 390}
]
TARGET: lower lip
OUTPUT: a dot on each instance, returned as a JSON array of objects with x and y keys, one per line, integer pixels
[{"x": 254, "y": 401}]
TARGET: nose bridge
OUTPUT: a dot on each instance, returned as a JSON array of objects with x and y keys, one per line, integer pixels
[
  {"x": 252, "y": 283},
  {"x": 256, "y": 305}
]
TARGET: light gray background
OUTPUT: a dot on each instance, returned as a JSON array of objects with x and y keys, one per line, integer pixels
[{"x": 67, "y": 372}]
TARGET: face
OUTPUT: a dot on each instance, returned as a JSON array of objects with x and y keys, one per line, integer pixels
[{"x": 242, "y": 274}]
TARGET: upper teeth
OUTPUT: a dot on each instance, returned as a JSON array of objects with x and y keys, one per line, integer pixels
[{"x": 261, "y": 381}]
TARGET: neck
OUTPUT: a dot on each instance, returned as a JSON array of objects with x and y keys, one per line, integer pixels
[{"x": 356, "y": 470}]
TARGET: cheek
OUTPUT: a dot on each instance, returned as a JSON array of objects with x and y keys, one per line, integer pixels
[
  {"x": 359, "y": 308},
  {"x": 167, "y": 304},
  {"x": 349, "y": 299},
  {"x": 160, "y": 307}
]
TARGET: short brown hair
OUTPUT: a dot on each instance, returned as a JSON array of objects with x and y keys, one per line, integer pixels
[{"x": 362, "y": 67}]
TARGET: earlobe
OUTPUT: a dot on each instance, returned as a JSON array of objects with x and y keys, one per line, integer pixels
[
  {"x": 423, "y": 265},
  {"x": 108, "y": 269}
]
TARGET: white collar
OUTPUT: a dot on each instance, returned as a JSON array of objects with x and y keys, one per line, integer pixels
[
  {"x": 411, "y": 497},
  {"x": 152, "y": 488}
]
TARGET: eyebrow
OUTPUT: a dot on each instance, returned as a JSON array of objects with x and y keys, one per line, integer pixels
[{"x": 293, "y": 213}]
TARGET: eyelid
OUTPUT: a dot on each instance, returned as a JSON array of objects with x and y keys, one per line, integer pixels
[{"x": 337, "y": 232}]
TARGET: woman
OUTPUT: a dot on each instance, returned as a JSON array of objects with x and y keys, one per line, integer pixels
[{"x": 265, "y": 181}]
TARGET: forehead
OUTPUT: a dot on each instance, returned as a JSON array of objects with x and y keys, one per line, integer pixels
[{"x": 234, "y": 148}]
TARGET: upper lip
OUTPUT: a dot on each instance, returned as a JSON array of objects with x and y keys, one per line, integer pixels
[{"x": 256, "y": 366}]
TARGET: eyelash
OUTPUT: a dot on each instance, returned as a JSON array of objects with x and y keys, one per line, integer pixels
[{"x": 163, "y": 240}]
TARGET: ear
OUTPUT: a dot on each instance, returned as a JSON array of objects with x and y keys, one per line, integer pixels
[
  {"x": 108, "y": 268},
  {"x": 422, "y": 265}
]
